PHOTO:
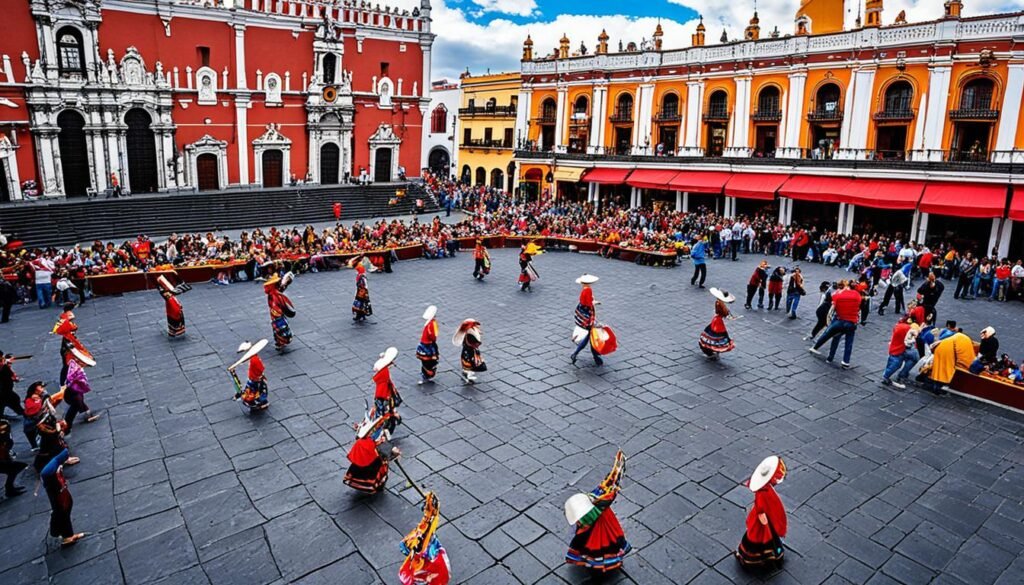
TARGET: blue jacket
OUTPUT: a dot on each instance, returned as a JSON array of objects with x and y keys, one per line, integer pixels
[{"x": 698, "y": 252}]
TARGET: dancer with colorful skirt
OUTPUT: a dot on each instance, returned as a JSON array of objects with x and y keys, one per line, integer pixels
[
  {"x": 599, "y": 542},
  {"x": 175, "y": 314},
  {"x": 469, "y": 335},
  {"x": 766, "y": 523},
  {"x": 52, "y": 477},
  {"x": 386, "y": 398},
  {"x": 586, "y": 318},
  {"x": 427, "y": 351},
  {"x": 361, "y": 307},
  {"x": 369, "y": 456},
  {"x": 482, "y": 258},
  {"x": 281, "y": 309},
  {"x": 426, "y": 561},
  {"x": 76, "y": 386},
  {"x": 715, "y": 339},
  {"x": 527, "y": 273},
  {"x": 254, "y": 394},
  {"x": 67, "y": 328}
]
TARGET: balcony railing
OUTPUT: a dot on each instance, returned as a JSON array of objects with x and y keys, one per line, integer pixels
[
  {"x": 716, "y": 115},
  {"x": 622, "y": 115},
  {"x": 547, "y": 118},
  {"x": 671, "y": 115},
  {"x": 767, "y": 115},
  {"x": 973, "y": 114},
  {"x": 835, "y": 115},
  {"x": 496, "y": 111},
  {"x": 898, "y": 115},
  {"x": 487, "y": 144},
  {"x": 579, "y": 119}
]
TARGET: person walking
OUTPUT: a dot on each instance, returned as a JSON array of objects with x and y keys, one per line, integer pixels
[
  {"x": 76, "y": 387},
  {"x": 758, "y": 282},
  {"x": 897, "y": 283},
  {"x": 698, "y": 255},
  {"x": 8, "y": 294},
  {"x": 61, "y": 502},
  {"x": 902, "y": 353},
  {"x": 794, "y": 291},
  {"x": 9, "y": 466},
  {"x": 8, "y": 398},
  {"x": 846, "y": 303},
  {"x": 821, "y": 312},
  {"x": 929, "y": 293},
  {"x": 586, "y": 318}
]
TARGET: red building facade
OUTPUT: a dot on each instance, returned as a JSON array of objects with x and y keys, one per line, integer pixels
[{"x": 167, "y": 95}]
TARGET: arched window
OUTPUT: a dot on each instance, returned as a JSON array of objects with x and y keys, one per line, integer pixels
[
  {"x": 481, "y": 176},
  {"x": 624, "y": 107},
  {"x": 670, "y": 106},
  {"x": 718, "y": 104},
  {"x": 466, "y": 175},
  {"x": 70, "y": 54},
  {"x": 548, "y": 110},
  {"x": 977, "y": 94},
  {"x": 579, "y": 107},
  {"x": 827, "y": 99},
  {"x": 439, "y": 120},
  {"x": 898, "y": 97},
  {"x": 329, "y": 65},
  {"x": 497, "y": 179},
  {"x": 768, "y": 100}
]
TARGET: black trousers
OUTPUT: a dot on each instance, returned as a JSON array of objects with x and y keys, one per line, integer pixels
[
  {"x": 11, "y": 468},
  {"x": 8, "y": 399},
  {"x": 822, "y": 314},
  {"x": 478, "y": 270},
  {"x": 890, "y": 292},
  {"x": 963, "y": 286},
  {"x": 699, "y": 270},
  {"x": 6, "y": 316},
  {"x": 751, "y": 289}
]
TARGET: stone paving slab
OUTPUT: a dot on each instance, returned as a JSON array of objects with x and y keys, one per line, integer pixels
[{"x": 179, "y": 485}]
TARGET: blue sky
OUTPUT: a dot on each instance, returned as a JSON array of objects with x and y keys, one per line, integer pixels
[{"x": 546, "y": 10}]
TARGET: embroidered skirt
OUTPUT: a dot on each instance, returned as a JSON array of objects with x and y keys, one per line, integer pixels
[
  {"x": 428, "y": 355},
  {"x": 600, "y": 546},
  {"x": 472, "y": 360},
  {"x": 753, "y": 554},
  {"x": 282, "y": 333},
  {"x": 712, "y": 342},
  {"x": 369, "y": 479}
]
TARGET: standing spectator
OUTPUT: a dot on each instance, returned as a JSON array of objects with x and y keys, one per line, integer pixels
[
  {"x": 698, "y": 255},
  {"x": 846, "y": 303},
  {"x": 757, "y": 284},
  {"x": 1001, "y": 280},
  {"x": 929, "y": 293},
  {"x": 726, "y": 242},
  {"x": 775, "y": 288},
  {"x": 737, "y": 238},
  {"x": 43, "y": 268},
  {"x": 968, "y": 268},
  {"x": 8, "y": 398},
  {"x": 794, "y": 291},
  {"x": 902, "y": 353},
  {"x": 897, "y": 282},
  {"x": 8, "y": 465},
  {"x": 8, "y": 294}
]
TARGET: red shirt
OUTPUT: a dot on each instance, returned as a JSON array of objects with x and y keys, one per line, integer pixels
[
  {"x": 847, "y": 304},
  {"x": 899, "y": 334},
  {"x": 587, "y": 297},
  {"x": 918, "y": 314},
  {"x": 1003, "y": 272}
]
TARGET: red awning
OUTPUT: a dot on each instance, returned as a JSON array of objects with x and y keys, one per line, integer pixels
[
  {"x": 965, "y": 199},
  {"x": 812, "y": 188},
  {"x": 754, "y": 185},
  {"x": 606, "y": 176},
  {"x": 884, "y": 194},
  {"x": 651, "y": 178},
  {"x": 1017, "y": 206},
  {"x": 700, "y": 181}
]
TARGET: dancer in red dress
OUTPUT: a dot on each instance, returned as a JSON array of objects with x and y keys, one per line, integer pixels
[
  {"x": 386, "y": 398},
  {"x": 175, "y": 314},
  {"x": 369, "y": 456},
  {"x": 766, "y": 523},
  {"x": 281, "y": 309},
  {"x": 427, "y": 351},
  {"x": 715, "y": 339},
  {"x": 599, "y": 542}
]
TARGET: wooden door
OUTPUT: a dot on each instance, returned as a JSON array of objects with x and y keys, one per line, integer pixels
[
  {"x": 382, "y": 166},
  {"x": 141, "y": 144},
  {"x": 207, "y": 173},
  {"x": 74, "y": 154},
  {"x": 273, "y": 168},
  {"x": 329, "y": 157}
]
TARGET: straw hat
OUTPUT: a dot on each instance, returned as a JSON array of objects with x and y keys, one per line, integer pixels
[
  {"x": 576, "y": 507},
  {"x": 386, "y": 359},
  {"x": 430, "y": 313},
  {"x": 722, "y": 295},
  {"x": 764, "y": 473},
  {"x": 587, "y": 279},
  {"x": 467, "y": 326}
]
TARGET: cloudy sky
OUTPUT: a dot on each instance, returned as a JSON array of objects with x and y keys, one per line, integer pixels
[{"x": 488, "y": 34}]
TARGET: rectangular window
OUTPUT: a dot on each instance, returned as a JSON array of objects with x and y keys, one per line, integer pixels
[
  {"x": 384, "y": 67},
  {"x": 467, "y": 135},
  {"x": 508, "y": 138},
  {"x": 203, "y": 54},
  {"x": 488, "y": 135}
]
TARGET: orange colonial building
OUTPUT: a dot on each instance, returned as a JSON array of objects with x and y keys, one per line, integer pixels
[{"x": 827, "y": 125}]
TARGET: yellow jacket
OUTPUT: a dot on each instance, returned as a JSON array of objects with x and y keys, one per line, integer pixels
[{"x": 950, "y": 353}]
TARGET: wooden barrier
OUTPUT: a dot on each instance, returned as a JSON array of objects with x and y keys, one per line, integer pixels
[{"x": 988, "y": 389}]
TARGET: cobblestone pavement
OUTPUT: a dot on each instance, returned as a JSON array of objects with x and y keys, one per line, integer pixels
[{"x": 178, "y": 485}]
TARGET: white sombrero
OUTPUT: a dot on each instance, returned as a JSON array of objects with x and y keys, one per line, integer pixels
[
  {"x": 577, "y": 506},
  {"x": 430, "y": 313},
  {"x": 467, "y": 326},
  {"x": 386, "y": 358},
  {"x": 250, "y": 350},
  {"x": 587, "y": 279},
  {"x": 722, "y": 295},
  {"x": 83, "y": 357},
  {"x": 764, "y": 473}
]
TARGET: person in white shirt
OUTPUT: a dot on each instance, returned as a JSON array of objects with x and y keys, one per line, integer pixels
[{"x": 43, "y": 268}]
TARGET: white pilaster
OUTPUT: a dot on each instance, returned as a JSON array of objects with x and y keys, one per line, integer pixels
[
  {"x": 1009, "y": 113},
  {"x": 922, "y": 228},
  {"x": 694, "y": 112},
  {"x": 841, "y": 227},
  {"x": 935, "y": 119},
  {"x": 739, "y": 129},
  {"x": 242, "y": 131},
  {"x": 522, "y": 118},
  {"x": 642, "y": 120},
  {"x": 562, "y": 117},
  {"x": 686, "y": 201},
  {"x": 679, "y": 201},
  {"x": 598, "y": 115},
  {"x": 240, "y": 81},
  {"x": 789, "y": 131},
  {"x": 851, "y": 210},
  {"x": 857, "y": 114},
  {"x": 425, "y": 84},
  {"x": 1002, "y": 242}
]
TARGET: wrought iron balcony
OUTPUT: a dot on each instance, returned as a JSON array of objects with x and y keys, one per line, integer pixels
[
  {"x": 974, "y": 114},
  {"x": 670, "y": 115},
  {"x": 897, "y": 115},
  {"x": 622, "y": 115},
  {"x": 547, "y": 118},
  {"x": 767, "y": 115},
  {"x": 823, "y": 115},
  {"x": 716, "y": 115},
  {"x": 495, "y": 111},
  {"x": 579, "y": 119},
  {"x": 486, "y": 144}
]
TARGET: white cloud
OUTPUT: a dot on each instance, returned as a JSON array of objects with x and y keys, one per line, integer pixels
[{"x": 497, "y": 45}]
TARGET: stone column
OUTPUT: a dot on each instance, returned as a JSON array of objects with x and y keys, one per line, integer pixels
[
  {"x": 598, "y": 115},
  {"x": 242, "y": 131},
  {"x": 1009, "y": 114},
  {"x": 240, "y": 81},
  {"x": 562, "y": 119},
  {"x": 793, "y": 117},
  {"x": 644, "y": 107},
  {"x": 694, "y": 112},
  {"x": 930, "y": 145},
  {"x": 857, "y": 115},
  {"x": 739, "y": 129}
]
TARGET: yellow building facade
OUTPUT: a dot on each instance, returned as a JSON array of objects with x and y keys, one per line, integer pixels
[
  {"x": 938, "y": 100},
  {"x": 486, "y": 129}
]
